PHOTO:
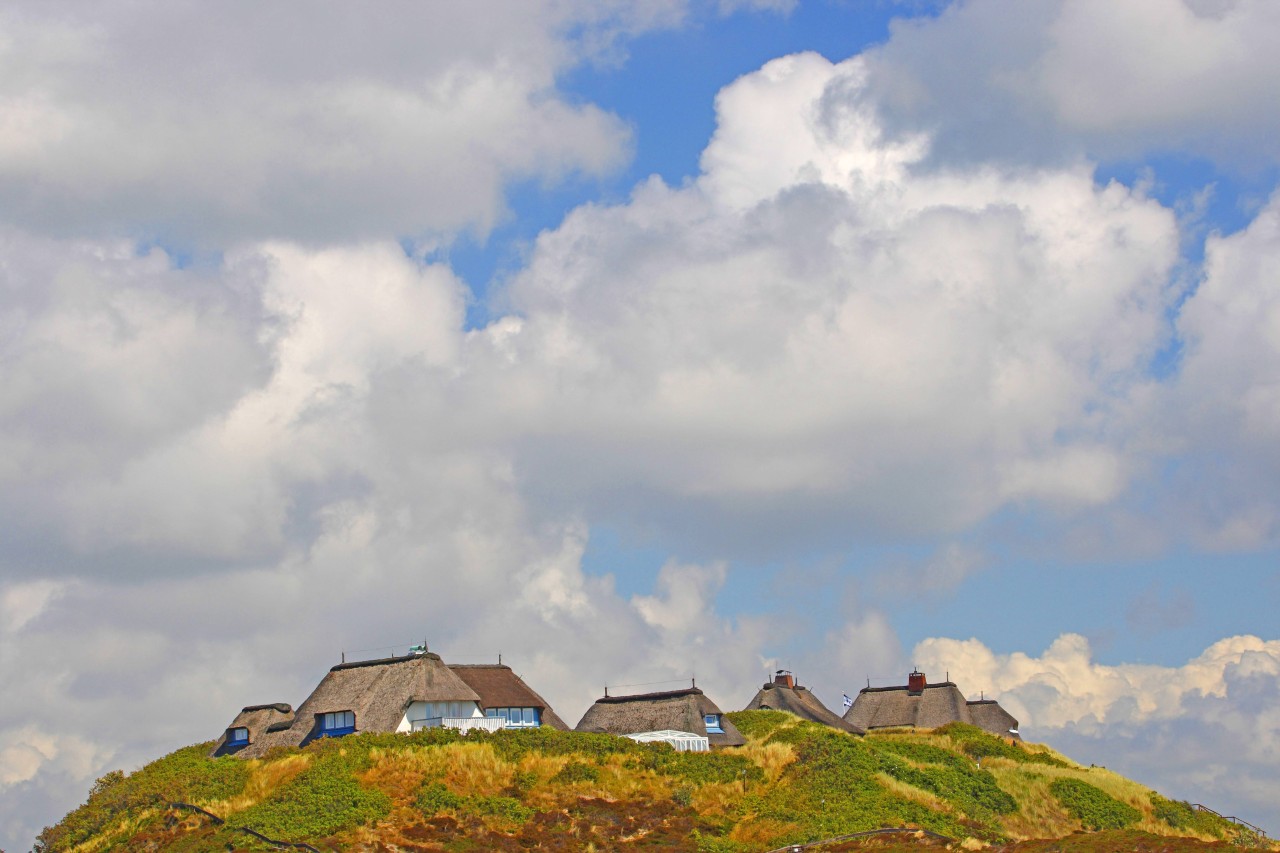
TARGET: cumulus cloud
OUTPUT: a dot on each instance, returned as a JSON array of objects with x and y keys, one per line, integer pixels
[
  {"x": 1227, "y": 393},
  {"x": 300, "y": 120},
  {"x": 810, "y": 330},
  {"x": 1207, "y": 731},
  {"x": 1041, "y": 81}
]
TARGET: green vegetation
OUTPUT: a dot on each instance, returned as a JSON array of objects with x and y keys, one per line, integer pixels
[
  {"x": 186, "y": 775},
  {"x": 979, "y": 744},
  {"x": 577, "y": 771},
  {"x": 1092, "y": 806},
  {"x": 321, "y": 800},
  {"x": 794, "y": 782}
]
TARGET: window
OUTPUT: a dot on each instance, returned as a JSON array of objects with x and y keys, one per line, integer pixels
[
  {"x": 237, "y": 736},
  {"x": 713, "y": 724},
  {"x": 523, "y": 718},
  {"x": 337, "y": 723}
]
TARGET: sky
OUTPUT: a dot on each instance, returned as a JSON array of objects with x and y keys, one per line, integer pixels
[{"x": 639, "y": 340}]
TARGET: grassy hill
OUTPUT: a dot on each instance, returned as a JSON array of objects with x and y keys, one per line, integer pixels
[{"x": 794, "y": 782}]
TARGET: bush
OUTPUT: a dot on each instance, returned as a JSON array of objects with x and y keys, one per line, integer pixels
[
  {"x": 434, "y": 798},
  {"x": 504, "y": 808},
  {"x": 320, "y": 801},
  {"x": 979, "y": 743},
  {"x": 576, "y": 771},
  {"x": 185, "y": 775},
  {"x": 1179, "y": 815},
  {"x": 945, "y": 774},
  {"x": 760, "y": 724},
  {"x": 833, "y": 790},
  {"x": 512, "y": 745},
  {"x": 700, "y": 768},
  {"x": 1092, "y": 806}
]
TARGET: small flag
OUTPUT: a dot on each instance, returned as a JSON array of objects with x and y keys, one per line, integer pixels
[{"x": 848, "y": 703}]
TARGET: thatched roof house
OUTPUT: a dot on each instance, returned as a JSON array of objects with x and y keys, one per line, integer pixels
[
  {"x": 784, "y": 694},
  {"x": 384, "y": 695},
  {"x": 251, "y": 725},
  {"x": 505, "y": 695},
  {"x": 687, "y": 710},
  {"x": 987, "y": 714},
  {"x": 921, "y": 705}
]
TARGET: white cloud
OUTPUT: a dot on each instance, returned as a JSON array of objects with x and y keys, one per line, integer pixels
[
  {"x": 296, "y": 120},
  {"x": 1037, "y": 81},
  {"x": 811, "y": 328},
  {"x": 1226, "y": 397}
]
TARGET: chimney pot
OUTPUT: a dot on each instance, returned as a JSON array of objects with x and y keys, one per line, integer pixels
[{"x": 915, "y": 682}]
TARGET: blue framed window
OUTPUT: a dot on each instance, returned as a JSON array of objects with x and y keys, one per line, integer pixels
[
  {"x": 516, "y": 718},
  {"x": 337, "y": 723},
  {"x": 713, "y": 724},
  {"x": 237, "y": 736}
]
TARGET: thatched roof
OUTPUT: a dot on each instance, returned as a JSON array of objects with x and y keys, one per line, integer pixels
[
  {"x": 258, "y": 719},
  {"x": 499, "y": 687},
  {"x": 378, "y": 691},
  {"x": 801, "y": 702},
  {"x": 888, "y": 707},
  {"x": 933, "y": 706},
  {"x": 987, "y": 714},
  {"x": 678, "y": 710}
]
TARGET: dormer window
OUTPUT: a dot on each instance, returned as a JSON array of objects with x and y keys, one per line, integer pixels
[
  {"x": 237, "y": 736},
  {"x": 713, "y": 724},
  {"x": 337, "y": 723}
]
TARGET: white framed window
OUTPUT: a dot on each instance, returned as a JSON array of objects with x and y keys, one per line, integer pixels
[
  {"x": 336, "y": 723},
  {"x": 516, "y": 718},
  {"x": 713, "y": 724},
  {"x": 237, "y": 736}
]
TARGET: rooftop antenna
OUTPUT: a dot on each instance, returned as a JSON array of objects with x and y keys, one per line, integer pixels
[
  {"x": 606, "y": 691},
  {"x": 499, "y": 657},
  {"x": 344, "y": 655}
]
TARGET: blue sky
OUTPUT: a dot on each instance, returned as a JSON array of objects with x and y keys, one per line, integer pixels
[{"x": 636, "y": 339}]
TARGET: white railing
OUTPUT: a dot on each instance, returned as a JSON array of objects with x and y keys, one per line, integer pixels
[{"x": 462, "y": 724}]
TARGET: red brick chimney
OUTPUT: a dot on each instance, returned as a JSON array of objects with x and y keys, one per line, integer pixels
[
  {"x": 784, "y": 679},
  {"x": 915, "y": 681}
]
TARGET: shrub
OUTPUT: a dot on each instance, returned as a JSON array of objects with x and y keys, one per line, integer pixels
[
  {"x": 576, "y": 771},
  {"x": 760, "y": 724},
  {"x": 978, "y": 743},
  {"x": 434, "y": 798},
  {"x": 700, "y": 768},
  {"x": 949, "y": 776},
  {"x": 186, "y": 775},
  {"x": 320, "y": 801},
  {"x": 1180, "y": 815},
  {"x": 1092, "y": 806},
  {"x": 504, "y": 808}
]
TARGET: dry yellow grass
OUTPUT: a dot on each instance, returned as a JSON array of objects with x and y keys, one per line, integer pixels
[
  {"x": 911, "y": 792},
  {"x": 772, "y": 758},
  {"x": 121, "y": 830},
  {"x": 474, "y": 769},
  {"x": 717, "y": 798},
  {"x": 399, "y": 775},
  {"x": 1038, "y": 815},
  {"x": 264, "y": 777},
  {"x": 761, "y": 833},
  {"x": 617, "y": 781}
]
